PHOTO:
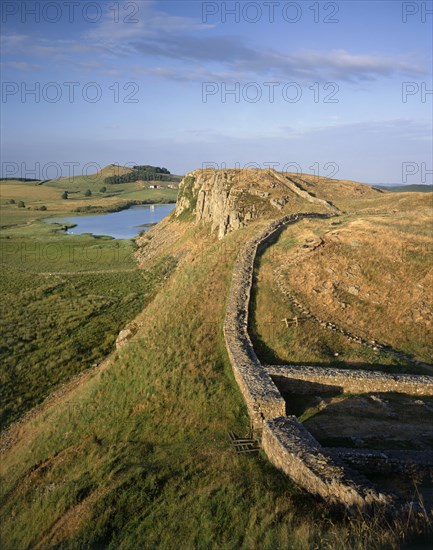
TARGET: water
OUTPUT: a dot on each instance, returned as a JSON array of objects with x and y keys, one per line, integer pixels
[{"x": 125, "y": 224}]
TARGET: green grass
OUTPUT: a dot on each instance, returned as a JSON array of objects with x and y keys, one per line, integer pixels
[
  {"x": 18, "y": 216},
  {"x": 418, "y": 188},
  {"x": 64, "y": 300},
  {"x": 64, "y": 297},
  {"x": 94, "y": 182},
  {"x": 49, "y": 195}
]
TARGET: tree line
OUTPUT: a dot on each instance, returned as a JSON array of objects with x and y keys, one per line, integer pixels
[{"x": 142, "y": 172}]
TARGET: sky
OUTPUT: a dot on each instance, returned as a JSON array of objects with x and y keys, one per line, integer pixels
[{"x": 340, "y": 89}]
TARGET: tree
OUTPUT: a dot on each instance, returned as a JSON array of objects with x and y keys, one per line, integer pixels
[
  {"x": 43, "y": 208},
  {"x": 88, "y": 193},
  {"x": 12, "y": 201},
  {"x": 103, "y": 189},
  {"x": 21, "y": 204},
  {"x": 64, "y": 195}
]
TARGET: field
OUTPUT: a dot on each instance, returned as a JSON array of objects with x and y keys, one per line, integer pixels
[
  {"x": 64, "y": 297},
  {"x": 48, "y": 196}
]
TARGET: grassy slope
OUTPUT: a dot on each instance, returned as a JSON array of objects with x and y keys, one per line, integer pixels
[
  {"x": 417, "y": 188},
  {"x": 138, "y": 456},
  {"x": 387, "y": 258},
  {"x": 64, "y": 299}
]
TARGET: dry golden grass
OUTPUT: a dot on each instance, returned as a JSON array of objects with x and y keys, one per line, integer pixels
[
  {"x": 371, "y": 275},
  {"x": 28, "y": 192},
  {"x": 373, "y": 279},
  {"x": 337, "y": 191}
]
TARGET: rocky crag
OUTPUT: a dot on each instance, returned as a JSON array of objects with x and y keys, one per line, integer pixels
[{"x": 230, "y": 199}]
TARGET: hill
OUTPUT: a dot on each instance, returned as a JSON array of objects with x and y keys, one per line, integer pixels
[
  {"x": 142, "y": 173},
  {"x": 417, "y": 188},
  {"x": 135, "y": 452},
  {"x": 27, "y": 201}
]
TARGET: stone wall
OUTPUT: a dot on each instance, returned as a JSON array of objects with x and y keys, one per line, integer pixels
[
  {"x": 293, "y": 379},
  {"x": 292, "y": 449},
  {"x": 288, "y": 445},
  {"x": 261, "y": 395},
  {"x": 385, "y": 462}
]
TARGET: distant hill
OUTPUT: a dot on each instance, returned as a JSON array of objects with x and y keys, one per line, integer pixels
[
  {"x": 416, "y": 188},
  {"x": 143, "y": 173}
]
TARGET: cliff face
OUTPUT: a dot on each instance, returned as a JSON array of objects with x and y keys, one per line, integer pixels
[
  {"x": 229, "y": 199},
  {"x": 219, "y": 197}
]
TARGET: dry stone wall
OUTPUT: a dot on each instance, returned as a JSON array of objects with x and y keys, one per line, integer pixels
[
  {"x": 288, "y": 445},
  {"x": 261, "y": 395},
  {"x": 385, "y": 462},
  {"x": 292, "y": 449},
  {"x": 293, "y": 377}
]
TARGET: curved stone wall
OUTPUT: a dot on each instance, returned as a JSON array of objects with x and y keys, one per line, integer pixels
[
  {"x": 288, "y": 445},
  {"x": 261, "y": 395}
]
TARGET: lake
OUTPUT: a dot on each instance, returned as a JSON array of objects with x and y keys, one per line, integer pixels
[{"x": 125, "y": 224}]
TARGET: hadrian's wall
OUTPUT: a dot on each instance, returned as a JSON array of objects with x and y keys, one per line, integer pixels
[
  {"x": 293, "y": 450},
  {"x": 385, "y": 462},
  {"x": 305, "y": 380},
  {"x": 288, "y": 445},
  {"x": 261, "y": 395}
]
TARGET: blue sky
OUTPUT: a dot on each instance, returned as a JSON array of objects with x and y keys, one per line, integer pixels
[{"x": 335, "y": 88}]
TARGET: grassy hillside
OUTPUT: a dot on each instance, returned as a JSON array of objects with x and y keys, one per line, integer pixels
[
  {"x": 139, "y": 456},
  {"x": 415, "y": 188},
  {"x": 48, "y": 196},
  {"x": 368, "y": 275},
  {"x": 63, "y": 302},
  {"x": 135, "y": 454},
  {"x": 64, "y": 298}
]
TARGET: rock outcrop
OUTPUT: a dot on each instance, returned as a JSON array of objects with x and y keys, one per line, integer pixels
[{"x": 230, "y": 199}]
